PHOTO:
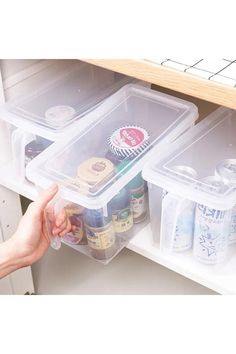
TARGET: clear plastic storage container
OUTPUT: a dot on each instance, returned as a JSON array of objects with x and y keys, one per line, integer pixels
[
  {"x": 99, "y": 170},
  {"x": 60, "y": 95},
  {"x": 193, "y": 191},
  {"x": 25, "y": 147},
  {"x": 72, "y": 90}
]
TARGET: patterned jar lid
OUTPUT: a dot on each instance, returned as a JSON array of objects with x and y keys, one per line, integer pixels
[{"x": 128, "y": 141}]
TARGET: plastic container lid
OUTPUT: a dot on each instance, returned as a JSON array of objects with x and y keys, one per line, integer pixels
[
  {"x": 71, "y": 92},
  {"x": 162, "y": 116},
  {"x": 201, "y": 148}
]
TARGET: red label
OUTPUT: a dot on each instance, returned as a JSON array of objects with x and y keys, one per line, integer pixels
[{"x": 132, "y": 136}]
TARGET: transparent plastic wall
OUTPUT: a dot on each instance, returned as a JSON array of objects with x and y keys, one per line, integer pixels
[{"x": 193, "y": 192}]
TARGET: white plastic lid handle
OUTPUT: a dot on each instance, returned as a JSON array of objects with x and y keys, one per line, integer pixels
[{"x": 55, "y": 240}]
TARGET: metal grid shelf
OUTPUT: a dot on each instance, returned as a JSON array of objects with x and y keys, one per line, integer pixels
[{"x": 219, "y": 70}]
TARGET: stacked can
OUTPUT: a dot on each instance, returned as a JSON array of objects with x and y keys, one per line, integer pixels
[
  {"x": 211, "y": 227},
  {"x": 226, "y": 169},
  {"x": 177, "y": 221}
]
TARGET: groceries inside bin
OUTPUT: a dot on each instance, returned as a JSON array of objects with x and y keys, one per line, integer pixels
[
  {"x": 188, "y": 225},
  {"x": 118, "y": 152},
  {"x": 193, "y": 192},
  {"x": 105, "y": 230},
  {"x": 99, "y": 169}
]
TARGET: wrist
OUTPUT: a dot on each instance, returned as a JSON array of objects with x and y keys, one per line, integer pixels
[
  {"x": 22, "y": 251},
  {"x": 10, "y": 259},
  {"x": 14, "y": 254}
]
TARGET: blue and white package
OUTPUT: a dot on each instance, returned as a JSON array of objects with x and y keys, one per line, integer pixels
[
  {"x": 226, "y": 169},
  {"x": 212, "y": 228}
]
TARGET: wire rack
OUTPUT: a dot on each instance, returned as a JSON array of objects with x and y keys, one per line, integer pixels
[{"x": 219, "y": 70}]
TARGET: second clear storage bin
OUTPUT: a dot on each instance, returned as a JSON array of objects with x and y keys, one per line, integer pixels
[
  {"x": 60, "y": 95},
  {"x": 193, "y": 192},
  {"x": 98, "y": 171}
]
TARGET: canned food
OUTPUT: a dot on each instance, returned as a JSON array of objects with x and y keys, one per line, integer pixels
[
  {"x": 178, "y": 215},
  {"x": 211, "y": 227},
  {"x": 226, "y": 169}
]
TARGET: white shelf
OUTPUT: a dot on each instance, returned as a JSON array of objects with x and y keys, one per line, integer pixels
[
  {"x": 10, "y": 180},
  {"x": 221, "y": 280}
]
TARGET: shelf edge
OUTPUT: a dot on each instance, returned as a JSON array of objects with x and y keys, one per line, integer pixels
[{"x": 172, "y": 79}]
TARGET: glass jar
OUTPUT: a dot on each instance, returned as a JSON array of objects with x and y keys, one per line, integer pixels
[
  {"x": 122, "y": 215},
  {"x": 100, "y": 233}
]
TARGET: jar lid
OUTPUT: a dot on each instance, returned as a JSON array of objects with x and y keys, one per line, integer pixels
[
  {"x": 97, "y": 218},
  {"x": 95, "y": 170},
  {"x": 57, "y": 116},
  {"x": 226, "y": 169},
  {"x": 128, "y": 141},
  {"x": 213, "y": 183}
]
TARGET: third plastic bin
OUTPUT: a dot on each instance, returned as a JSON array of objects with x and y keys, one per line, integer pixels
[{"x": 193, "y": 191}]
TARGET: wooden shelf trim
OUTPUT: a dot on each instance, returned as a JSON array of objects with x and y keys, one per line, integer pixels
[{"x": 172, "y": 79}]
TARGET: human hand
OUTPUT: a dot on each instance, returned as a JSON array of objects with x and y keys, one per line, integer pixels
[{"x": 31, "y": 237}]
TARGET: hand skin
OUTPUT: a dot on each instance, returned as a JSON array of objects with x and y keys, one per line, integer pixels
[{"x": 30, "y": 241}]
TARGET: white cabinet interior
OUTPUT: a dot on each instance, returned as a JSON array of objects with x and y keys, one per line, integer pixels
[{"x": 128, "y": 274}]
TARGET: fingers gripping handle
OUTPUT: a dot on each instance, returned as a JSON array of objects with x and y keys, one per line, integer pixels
[
  {"x": 55, "y": 241},
  {"x": 50, "y": 213}
]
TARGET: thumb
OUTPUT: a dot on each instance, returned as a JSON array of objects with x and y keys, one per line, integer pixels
[{"x": 45, "y": 197}]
